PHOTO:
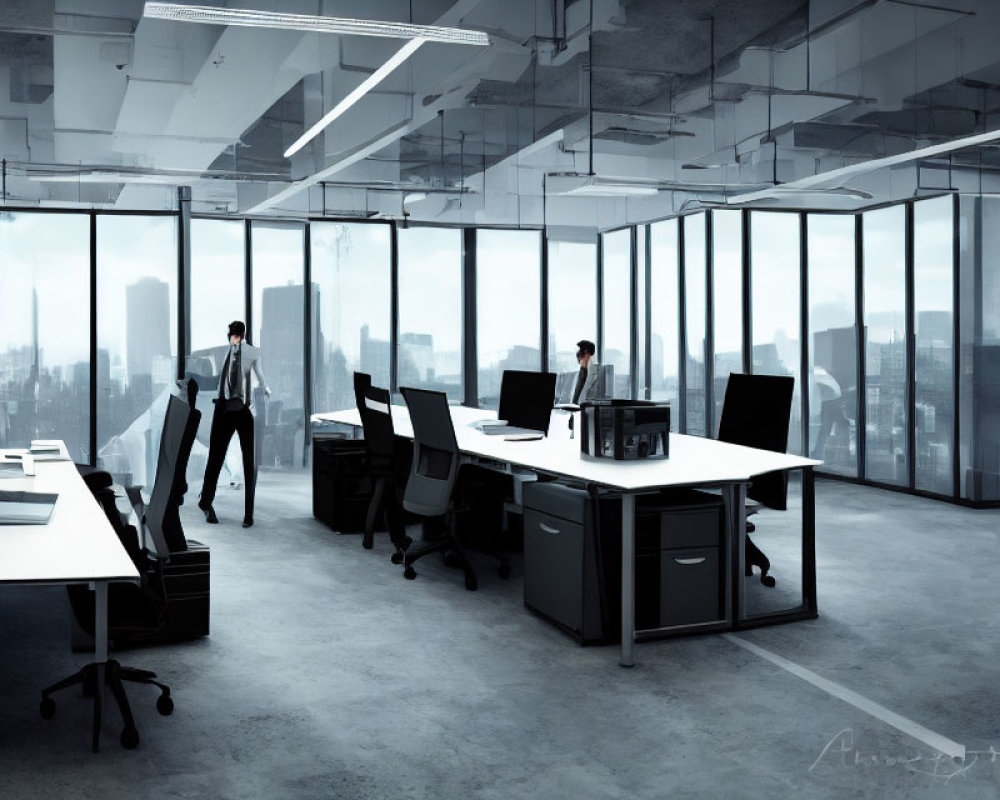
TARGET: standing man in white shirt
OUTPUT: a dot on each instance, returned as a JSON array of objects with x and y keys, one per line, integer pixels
[{"x": 233, "y": 415}]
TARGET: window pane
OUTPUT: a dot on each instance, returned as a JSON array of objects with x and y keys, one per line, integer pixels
[
  {"x": 642, "y": 389},
  {"x": 885, "y": 345},
  {"x": 508, "y": 307},
  {"x": 278, "y": 328},
  {"x": 572, "y": 301},
  {"x": 695, "y": 304},
  {"x": 664, "y": 317},
  {"x": 351, "y": 308},
  {"x": 833, "y": 354},
  {"x": 218, "y": 282},
  {"x": 616, "y": 286},
  {"x": 933, "y": 273},
  {"x": 727, "y": 295},
  {"x": 45, "y": 335},
  {"x": 774, "y": 304},
  {"x": 136, "y": 341},
  {"x": 430, "y": 310}
]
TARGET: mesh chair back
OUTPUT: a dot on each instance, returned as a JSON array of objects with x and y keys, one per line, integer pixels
[
  {"x": 435, "y": 453},
  {"x": 756, "y": 413},
  {"x": 376, "y": 420}
]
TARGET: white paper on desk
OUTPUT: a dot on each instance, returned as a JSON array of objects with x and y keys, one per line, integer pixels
[
  {"x": 11, "y": 469},
  {"x": 522, "y": 437}
]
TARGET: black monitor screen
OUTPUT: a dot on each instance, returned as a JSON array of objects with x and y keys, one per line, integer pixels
[{"x": 526, "y": 398}]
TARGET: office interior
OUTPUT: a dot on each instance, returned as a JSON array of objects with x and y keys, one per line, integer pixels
[{"x": 782, "y": 187}]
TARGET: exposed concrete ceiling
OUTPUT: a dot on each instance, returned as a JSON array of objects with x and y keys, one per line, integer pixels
[{"x": 579, "y": 114}]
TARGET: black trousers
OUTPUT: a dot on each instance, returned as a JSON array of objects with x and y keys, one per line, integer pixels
[{"x": 224, "y": 425}]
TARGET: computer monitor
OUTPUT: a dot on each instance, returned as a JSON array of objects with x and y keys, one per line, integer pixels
[{"x": 526, "y": 398}]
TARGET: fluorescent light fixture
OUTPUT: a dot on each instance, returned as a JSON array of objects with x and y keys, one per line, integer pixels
[
  {"x": 612, "y": 189},
  {"x": 414, "y": 197},
  {"x": 363, "y": 88},
  {"x": 212, "y": 15}
]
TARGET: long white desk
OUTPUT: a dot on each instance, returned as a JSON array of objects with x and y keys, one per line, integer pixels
[
  {"x": 77, "y": 546},
  {"x": 694, "y": 461}
]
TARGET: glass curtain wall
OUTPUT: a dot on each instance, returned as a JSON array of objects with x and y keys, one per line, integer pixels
[
  {"x": 774, "y": 302},
  {"x": 934, "y": 376},
  {"x": 508, "y": 307},
  {"x": 695, "y": 318},
  {"x": 833, "y": 343},
  {"x": 572, "y": 308},
  {"x": 665, "y": 317},
  {"x": 351, "y": 311},
  {"x": 45, "y": 335},
  {"x": 430, "y": 310},
  {"x": 727, "y": 293},
  {"x": 278, "y": 315},
  {"x": 136, "y": 341},
  {"x": 616, "y": 290},
  {"x": 886, "y": 419},
  {"x": 218, "y": 287},
  {"x": 641, "y": 323}
]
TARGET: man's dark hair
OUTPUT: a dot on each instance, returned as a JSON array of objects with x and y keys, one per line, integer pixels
[
  {"x": 237, "y": 328},
  {"x": 586, "y": 346}
]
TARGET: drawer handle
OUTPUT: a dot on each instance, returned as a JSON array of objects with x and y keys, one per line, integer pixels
[
  {"x": 547, "y": 528},
  {"x": 688, "y": 562}
]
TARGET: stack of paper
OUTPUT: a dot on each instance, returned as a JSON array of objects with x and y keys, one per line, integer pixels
[{"x": 48, "y": 450}]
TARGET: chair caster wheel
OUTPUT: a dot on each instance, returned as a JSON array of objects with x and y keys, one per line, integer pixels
[
  {"x": 503, "y": 571},
  {"x": 368, "y": 545},
  {"x": 409, "y": 573},
  {"x": 470, "y": 583},
  {"x": 397, "y": 557},
  {"x": 130, "y": 738},
  {"x": 47, "y": 708},
  {"x": 767, "y": 580},
  {"x": 165, "y": 705}
]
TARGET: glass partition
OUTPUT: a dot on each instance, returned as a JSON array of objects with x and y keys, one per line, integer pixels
[
  {"x": 218, "y": 284},
  {"x": 665, "y": 317},
  {"x": 508, "y": 307},
  {"x": 572, "y": 302},
  {"x": 695, "y": 303},
  {"x": 884, "y": 249},
  {"x": 136, "y": 341},
  {"x": 616, "y": 289},
  {"x": 351, "y": 311},
  {"x": 45, "y": 334},
  {"x": 279, "y": 331},
  {"x": 430, "y": 310},
  {"x": 934, "y": 377},
  {"x": 833, "y": 351},
  {"x": 641, "y": 323},
  {"x": 727, "y": 293}
]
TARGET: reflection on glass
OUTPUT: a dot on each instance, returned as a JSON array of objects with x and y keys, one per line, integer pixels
[
  {"x": 278, "y": 328},
  {"x": 45, "y": 333},
  {"x": 136, "y": 341},
  {"x": 727, "y": 296},
  {"x": 774, "y": 303},
  {"x": 885, "y": 345},
  {"x": 642, "y": 389},
  {"x": 695, "y": 305},
  {"x": 351, "y": 309},
  {"x": 664, "y": 317},
  {"x": 616, "y": 285},
  {"x": 572, "y": 302},
  {"x": 508, "y": 307},
  {"x": 430, "y": 310},
  {"x": 833, "y": 359},
  {"x": 933, "y": 273}
]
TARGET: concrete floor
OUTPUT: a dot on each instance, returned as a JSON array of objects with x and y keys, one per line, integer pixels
[{"x": 329, "y": 676}]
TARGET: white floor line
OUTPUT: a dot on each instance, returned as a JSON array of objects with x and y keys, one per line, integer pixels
[{"x": 934, "y": 740}]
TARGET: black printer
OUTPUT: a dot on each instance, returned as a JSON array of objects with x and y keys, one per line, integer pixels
[{"x": 625, "y": 430}]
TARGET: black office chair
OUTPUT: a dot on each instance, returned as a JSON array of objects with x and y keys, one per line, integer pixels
[
  {"x": 380, "y": 444},
  {"x": 756, "y": 413},
  {"x": 433, "y": 474},
  {"x": 130, "y": 608}
]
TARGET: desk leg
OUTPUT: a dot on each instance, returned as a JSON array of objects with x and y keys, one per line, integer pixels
[
  {"x": 628, "y": 579},
  {"x": 738, "y": 519},
  {"x": 100, "y": 655}
]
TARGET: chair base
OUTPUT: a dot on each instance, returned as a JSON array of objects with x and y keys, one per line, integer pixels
[
  {"x": 114, "y": 675},
  {"x": 455, "y": 555},
  {"x": 754, "y": 557}
]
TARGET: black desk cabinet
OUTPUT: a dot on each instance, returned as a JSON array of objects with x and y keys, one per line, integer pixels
[
  {"x": 341, "y": 485},
  {"x": 572, "y": 560}
]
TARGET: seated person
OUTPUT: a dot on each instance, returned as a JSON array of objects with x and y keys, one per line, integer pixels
[{"x": 587, "y": 379}]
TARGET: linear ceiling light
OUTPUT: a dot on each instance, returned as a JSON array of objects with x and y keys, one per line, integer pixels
[
  {"x": 362, "y": 89},
  {"x": 212, "y": 15}
]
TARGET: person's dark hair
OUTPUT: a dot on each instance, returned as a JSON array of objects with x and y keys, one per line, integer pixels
[
  {"x": 586, "y": 346},
  {"x": 237, "y": 328}
]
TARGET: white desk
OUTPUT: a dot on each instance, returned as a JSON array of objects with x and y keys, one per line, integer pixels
[
  {"x": 77, "y": 546},
  {"x": 694, "y": 461}
]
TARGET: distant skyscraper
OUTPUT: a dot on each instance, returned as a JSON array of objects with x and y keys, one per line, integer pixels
[
  {"x": 281, "y": 335},
  {"x": 147, "y": 324}
]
